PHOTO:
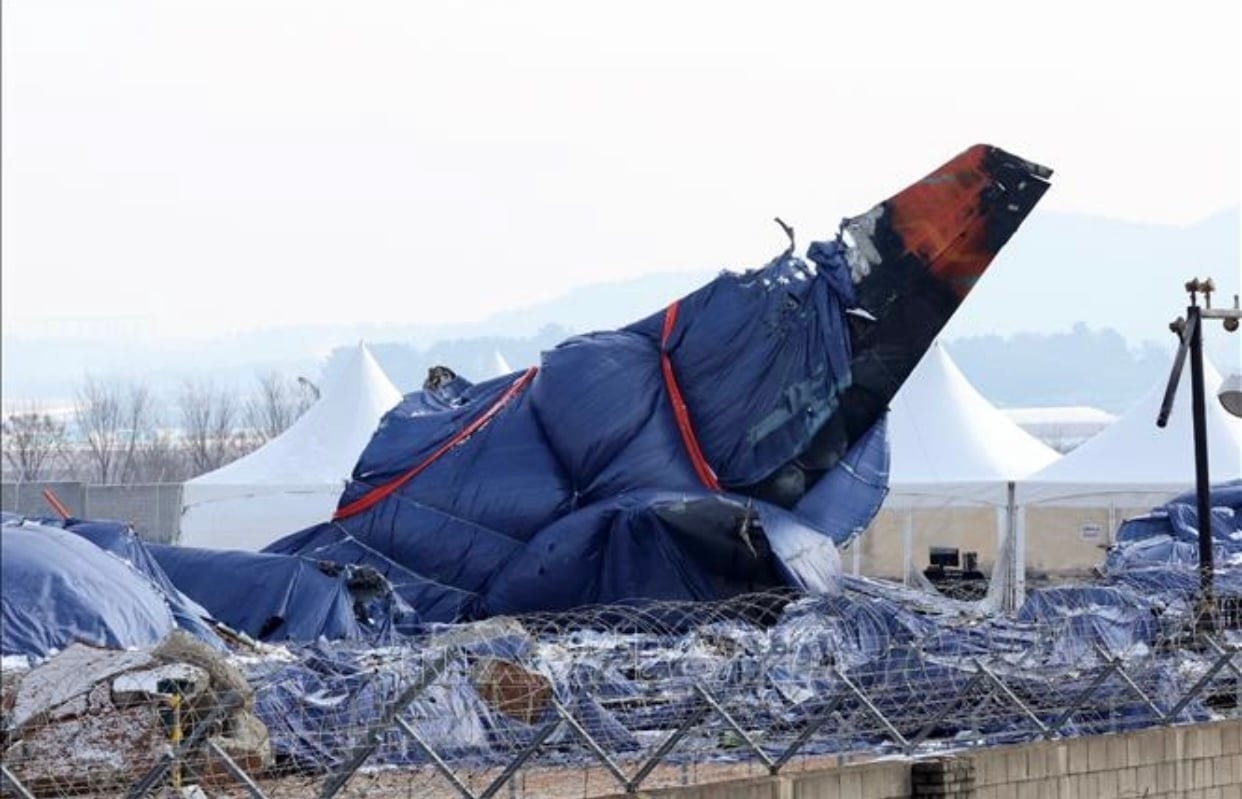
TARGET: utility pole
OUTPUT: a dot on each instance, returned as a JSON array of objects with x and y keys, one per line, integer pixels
[{"x": 1190, "y": 333}]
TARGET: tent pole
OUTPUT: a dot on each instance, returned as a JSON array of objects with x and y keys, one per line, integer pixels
[
  {"x": 1019, "y": 554},
  {"x": 856, "y": 554},
  {"x": 1002, "y": 528},
  {"x": 1015, "y": 591},
  {"x": 907, "y": 547}
]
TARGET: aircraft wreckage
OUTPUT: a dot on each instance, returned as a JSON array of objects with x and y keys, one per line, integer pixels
[{"x": 725, "y": 444}]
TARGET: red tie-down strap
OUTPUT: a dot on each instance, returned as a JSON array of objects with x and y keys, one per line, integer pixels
[
  {"x": 380, "y": 492},
  {"x": 680, "y": 412}
]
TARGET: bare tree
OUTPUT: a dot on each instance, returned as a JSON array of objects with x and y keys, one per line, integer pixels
[
  {"x": 138, "y": 423},
  {"x": 97, "y": 412},
  {"x": 278, "y": 404},
  {"x": 161, "y": 459},
  {"x": 208, "y": 421},
  {"x": 114, "y": 421},
  {"x": 156, "y": 455},
  {"x": 33, "y": 442}
]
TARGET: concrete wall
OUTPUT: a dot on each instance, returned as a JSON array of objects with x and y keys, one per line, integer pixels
[
  {"x": 1202, "y": 761},
  {"x": 154, "y": 510},
  {"x": 27, "y": 498}
]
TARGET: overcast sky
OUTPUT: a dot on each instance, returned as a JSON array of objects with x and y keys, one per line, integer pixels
[{"x": 195, "y": 168}]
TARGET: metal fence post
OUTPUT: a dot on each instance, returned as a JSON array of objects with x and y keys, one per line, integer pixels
[
  {"x": 1010, "y": 695},
  {"x": 872, "y": 709},
  {"x": 1076, "y": 704},
  {"x": 807, "y": 732},
  {"x": 591, "y": 743},
  {"x": 431, "y": 672},
  {"x": 720, "y": 711},
  {"x": 693, "y": 720},
  {"x": 13, "y": 783},
  {"x": 237, "y": 771},
  {"x": 164, "y": 765},
  {"x": 1225, "y": 659}
]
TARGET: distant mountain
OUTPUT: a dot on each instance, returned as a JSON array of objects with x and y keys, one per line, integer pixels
[
  {"x": 1062, "y": 269},
  {"x": 601, "y": 306},
  {"x": 1119, "y": 281},
  {"x": 1078, "y": 367},
  {"x": 51, "y": 367},
  {"x": 475, "y": 358}
]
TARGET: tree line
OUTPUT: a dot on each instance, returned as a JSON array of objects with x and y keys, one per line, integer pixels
[{"x": 122, "y": 433}]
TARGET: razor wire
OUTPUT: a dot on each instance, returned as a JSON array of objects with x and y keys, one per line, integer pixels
[{"x": 616, "y": 699}]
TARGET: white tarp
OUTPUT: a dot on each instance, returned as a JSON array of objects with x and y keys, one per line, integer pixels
[
  {"x": 295, "y": 479},
  {"x": 950, "y": 445},
  {"x": 1133, "y": 463}
]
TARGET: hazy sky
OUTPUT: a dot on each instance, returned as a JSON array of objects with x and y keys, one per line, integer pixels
[{"x": 200, "y": 167}]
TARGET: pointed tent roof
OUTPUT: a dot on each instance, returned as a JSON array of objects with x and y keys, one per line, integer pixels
[
  {"x": 1133, "y": 462},
  {"x": 500, "y": 366},
  {"x": 296, "y": 478},
  {"x": 949, "y": 444},
  {"x": 325, "y": 442}
]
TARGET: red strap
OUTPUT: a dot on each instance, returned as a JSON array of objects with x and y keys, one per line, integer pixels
[
  {"x": 380, "y": 492},
  {"x": 680, "y": 412}
]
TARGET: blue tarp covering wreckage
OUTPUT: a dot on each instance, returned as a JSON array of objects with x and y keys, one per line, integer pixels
[
  {"x": 910, "y": 652},
  {"x": 723, "y": 445},
  {"x": 59, "y": 588},
  {"x": 911, "y": 659},
  {"x": 1159, "y": 552},
  {"x": 286, "y": 598},
  {"x": 579, "y": 490},
  {"x": 98, "y": 583}
]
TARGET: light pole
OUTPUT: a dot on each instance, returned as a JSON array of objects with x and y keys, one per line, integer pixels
[{"x": 1190, "y": 333}]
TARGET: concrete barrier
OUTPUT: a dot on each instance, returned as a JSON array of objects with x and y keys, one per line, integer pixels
[
  {"x": 1201, "y": 761},
  {"x": 26, "y": 499},
  {"x": 154, "y": 509}
]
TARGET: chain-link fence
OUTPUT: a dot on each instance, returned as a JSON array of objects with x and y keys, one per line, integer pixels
[{"x": 612, "y": 699}]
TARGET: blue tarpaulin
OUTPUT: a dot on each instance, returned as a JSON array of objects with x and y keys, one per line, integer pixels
[
  {"x": 911, "y": 658},
  {"x": 724, "y": 444},
  {"x": 1158, "y": 553},
  {"x": 1168, "y": 536},
  {"x": 59, "y": 588},
  {"x": 284, "y": 598},
  {"x": 572, "y": 484},
  {"x": 119, "y": 539},
  {"x": 97, "y": 582}
]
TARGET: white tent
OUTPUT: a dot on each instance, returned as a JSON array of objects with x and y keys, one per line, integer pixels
[
  {"x": 295, "y": 479},
  {"x": 951, "y": 448},
  {"x": 950, "y": 444},
  {"x": 1062, "y": 428},
  {"x": 1133, "y": 463}
]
